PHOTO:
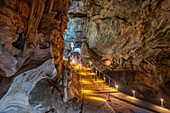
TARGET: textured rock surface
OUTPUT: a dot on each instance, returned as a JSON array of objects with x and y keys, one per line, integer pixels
[
  {"x": 76, "y": 29},
  {"x": 16, "y": 99},
  {"x": 137, "y": 32},
  {"x": 36, "y": 59},
  {"x": 92, "y": 57},
  {"x": 50, "y": 100},
  {"x": 28, "y": 29},
  {"x": 129, "y": 34},
  {"x": 34, "y": 23}
]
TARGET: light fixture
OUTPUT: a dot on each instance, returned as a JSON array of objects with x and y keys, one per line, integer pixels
[
  {"x": 117, "y": 87},
  {"x": 73, "y": 61},
  {"x": 90, "y": 63},
  {"x": 162, "y": 102},
  {"x": 104, "y": 79},
  {"x": 133, "y": 93}
]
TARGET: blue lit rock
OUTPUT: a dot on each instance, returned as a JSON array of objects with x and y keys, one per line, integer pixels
[{"x": 16, "y": 99}]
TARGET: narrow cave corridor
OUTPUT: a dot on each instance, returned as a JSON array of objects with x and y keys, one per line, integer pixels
[{"x": 84, "y": 56}]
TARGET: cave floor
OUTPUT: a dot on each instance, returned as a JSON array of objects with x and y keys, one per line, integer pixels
[
  {"x": 95, "y": 98},
  {"x": 98, "y": 104}
]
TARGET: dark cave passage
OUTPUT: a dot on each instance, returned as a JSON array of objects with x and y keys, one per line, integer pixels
[{"x": 84, "y": 56}]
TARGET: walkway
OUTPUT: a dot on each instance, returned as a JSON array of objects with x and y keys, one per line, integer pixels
[{"x": 95, "y": 93}]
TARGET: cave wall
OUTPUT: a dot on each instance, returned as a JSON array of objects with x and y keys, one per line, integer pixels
[
  {"x": 76, "y": 28},
  {"x": 136, "y": 31},
  {"x": 29, "y": 24}
]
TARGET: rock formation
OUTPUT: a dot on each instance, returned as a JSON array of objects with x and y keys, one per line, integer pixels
[
  {"x": 30, "y": 31},
  {"x": 137, "y": 32},
  {"x": 50, "y": 100},
  {"x": 119, "y": 35},
  {"x": 76, "y": 31},
  {"x": 26, "y": 24},
  {"x": 16, "y": 99}
]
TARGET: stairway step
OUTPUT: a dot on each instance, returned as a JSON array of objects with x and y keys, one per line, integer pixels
[
  {"x": 100, "y": 92},
  {"x": 91, "y": 85}
]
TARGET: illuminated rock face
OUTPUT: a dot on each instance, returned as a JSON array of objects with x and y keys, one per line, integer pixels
[
  {"x": 24, "y": 27},
  {"x": 76, "y": 28},
  {"x": 138, "y": 33},
  {"x": 133, "y": 33},
  {"x": 16, "y": 99},
  {"x": 28, "y": 24}
]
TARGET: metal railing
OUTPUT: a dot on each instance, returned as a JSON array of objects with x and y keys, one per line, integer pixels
[
  {"x": 104, "y": 77},
  {"x": 98, "y": 79},
  {"x": 95, "y": 78}
]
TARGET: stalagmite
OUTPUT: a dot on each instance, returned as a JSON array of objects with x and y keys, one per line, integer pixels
[
  {"x": 110, "y": 43},
  {"x": 16, "y": 99}
]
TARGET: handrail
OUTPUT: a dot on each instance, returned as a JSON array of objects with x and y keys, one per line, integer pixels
[
  {"x": 104, "y": 74},
  {"x": 95, "y": 75},
  {"x": 110, "y": 79},
  {"x": 97, "y": 78}
]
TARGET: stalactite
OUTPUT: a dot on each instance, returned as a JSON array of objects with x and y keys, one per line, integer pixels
[
  {"x": 37, "y": 19},
  {"x": 42, "y": 7},
  {"x": 56, "y": 4},
  {"x": 29, "y": 25},
  {"x": 51, "y": 5}
]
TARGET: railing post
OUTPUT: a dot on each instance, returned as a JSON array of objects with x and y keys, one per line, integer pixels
[
  {"x": 91, "y": 75},
  {"x": 94, "y": 77},
  {"x": 91, "y": 70},
  {"x": 104, "y": 78},
  {"x": 101, "y": 76},
  {"x": 101, "y": 85},
  {"x": 108, "y": 98},
  {"x": 80, "y": 79},
  {"x": 97, "y": 82}
]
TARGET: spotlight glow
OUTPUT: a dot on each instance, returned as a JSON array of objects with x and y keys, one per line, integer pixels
[
  {"x": 162, "y": 102},
  {"x": 117, "y": 87},
  {"x": 96, "y": 98},
  {"x": 133, "y": 93}
]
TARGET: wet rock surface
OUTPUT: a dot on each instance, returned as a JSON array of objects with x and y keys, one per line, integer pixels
[
  {"x": 16, "y": 99},
  {"x": 133, "y": 35},
  {"x": 50, "y": 100},
  {"x": 30, "y": 31},
  {"x": 119, "y": 34},
  {"x": 76, "y": 28},
  {"x": 24, "y": 25}
]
